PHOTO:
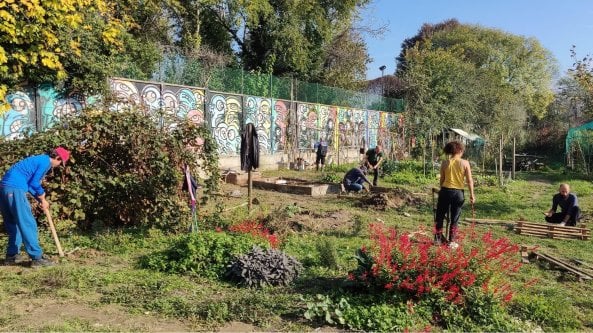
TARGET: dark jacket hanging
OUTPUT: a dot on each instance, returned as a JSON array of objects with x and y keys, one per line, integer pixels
[{"x": 249, "y": 148}]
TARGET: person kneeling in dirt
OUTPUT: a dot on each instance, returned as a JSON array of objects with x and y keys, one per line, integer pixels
[
  {"x": 354, "y": 180},
  {"x": 569, "y": 205}
]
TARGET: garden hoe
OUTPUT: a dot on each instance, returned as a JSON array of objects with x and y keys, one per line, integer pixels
[{"x": 53, "y": 232}]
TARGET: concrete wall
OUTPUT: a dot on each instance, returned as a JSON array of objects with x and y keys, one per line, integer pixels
[{"x": 277, "y": 122}]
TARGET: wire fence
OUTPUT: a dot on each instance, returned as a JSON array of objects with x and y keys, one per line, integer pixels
[{"x": 175, "y": 70}]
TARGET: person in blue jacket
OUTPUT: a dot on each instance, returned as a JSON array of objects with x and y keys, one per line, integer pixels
[
  {"x": 26, "y": 176},
  {"x": 354, "y": 180}
]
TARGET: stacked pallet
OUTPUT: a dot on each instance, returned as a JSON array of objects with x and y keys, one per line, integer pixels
[{"x": 554, "y": 231}]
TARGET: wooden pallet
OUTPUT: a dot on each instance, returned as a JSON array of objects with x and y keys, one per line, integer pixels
[
  {"x": 553, "y": 231},
  {"x": 581, "y": 274}
]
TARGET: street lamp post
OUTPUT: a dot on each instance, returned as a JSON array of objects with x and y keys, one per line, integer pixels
[{"x": 382, "y": 69}]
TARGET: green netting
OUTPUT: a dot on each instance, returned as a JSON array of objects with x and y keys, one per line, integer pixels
[
  {"x": 579, "y": 145},
  {"x": 175, "y": 70}
]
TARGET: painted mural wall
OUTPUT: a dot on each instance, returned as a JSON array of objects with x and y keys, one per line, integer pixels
[{"x": 278, "y": 122}]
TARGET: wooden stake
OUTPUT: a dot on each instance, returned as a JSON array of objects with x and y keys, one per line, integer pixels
[{"x": 249, "y": 188}]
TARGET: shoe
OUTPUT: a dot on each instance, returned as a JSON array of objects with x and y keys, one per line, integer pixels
[
  {"x": 14, "y": 259},
  {"x": 42, "y": 262},
  {"x": 562, "y": 224},
  {"x": 439, "y": 240},
  {"x": 453, "y": 245}
]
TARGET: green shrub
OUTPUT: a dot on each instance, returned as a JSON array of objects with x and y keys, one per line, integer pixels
[
  {"x": 124, "y": 169},
  {"x": 331, "y": 177},
  {"x": 260, "y": 268},
  {"x": 328, "y": 255},
  {"x": 205, "y": 254}
]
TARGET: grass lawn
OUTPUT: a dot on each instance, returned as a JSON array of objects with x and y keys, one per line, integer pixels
[{"x": 100, "y": 285}]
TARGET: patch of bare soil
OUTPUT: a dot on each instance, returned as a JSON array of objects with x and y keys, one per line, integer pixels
[
  {"x": 300, "y": 220},
  {"x": 237, "y": 326},
  {"x": 397, "y": 198},
  {"x": 42, "y": 313}
]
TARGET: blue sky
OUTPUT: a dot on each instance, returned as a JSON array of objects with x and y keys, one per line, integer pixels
[{"x": 557, "y": 24}]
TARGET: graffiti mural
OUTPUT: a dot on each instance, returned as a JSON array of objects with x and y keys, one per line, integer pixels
[
  {"x": 359, "y": 123},
  {"x": 327, "y": 121},
  {"x": 174, "y": 102},
  {"x": 307, "y": 119},
  {"x": 224, "y": 115},
  {"x": 20, "y": 118},
  {"x": 279, "y": 125},
  {"x": 344, "y": 125},
  {"x": 54, "y": 106},
  {"x": 259, "y": 113},
  {"x": 373, "y": 127}
]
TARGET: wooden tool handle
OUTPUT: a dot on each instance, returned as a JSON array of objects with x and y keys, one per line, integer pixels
[{"x": 53, "y": 232}]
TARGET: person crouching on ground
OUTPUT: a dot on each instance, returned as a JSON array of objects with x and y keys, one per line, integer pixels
[
  {"x": 455, "y": 172},
  {"x": 569, "y": 205},
  {"x": 354, "y": 180},
  {"x": 26, "y": 176}
]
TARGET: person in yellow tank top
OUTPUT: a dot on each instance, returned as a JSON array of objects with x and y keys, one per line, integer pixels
[{"x": 455, "y": 173}]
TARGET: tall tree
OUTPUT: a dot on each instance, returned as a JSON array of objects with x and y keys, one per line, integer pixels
[{"x": 499, "y": 78}]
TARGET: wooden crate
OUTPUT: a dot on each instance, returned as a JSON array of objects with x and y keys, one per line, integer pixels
[{"x": 554, "y": 231}]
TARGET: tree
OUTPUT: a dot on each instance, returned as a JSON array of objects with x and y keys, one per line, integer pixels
[
  {"x": 287, "y": 37},
  {"x": 40, "y": 40},
  {"x": 483, "y": 79}
]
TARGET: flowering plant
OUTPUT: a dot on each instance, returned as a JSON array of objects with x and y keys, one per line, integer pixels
[
  {"x": 257, "y": 230},
  {"x": 396, "y": 262}
]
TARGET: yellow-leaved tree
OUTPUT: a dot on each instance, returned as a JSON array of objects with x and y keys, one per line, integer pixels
[{"x": 41, "y": 39}]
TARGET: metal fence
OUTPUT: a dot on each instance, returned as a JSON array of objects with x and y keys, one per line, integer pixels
[{"x": 175, "y": 70}]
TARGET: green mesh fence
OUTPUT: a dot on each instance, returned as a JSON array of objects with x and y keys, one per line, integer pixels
[
  {"x": 579, "y": 146},
  {"x": 175, "y": 70}
]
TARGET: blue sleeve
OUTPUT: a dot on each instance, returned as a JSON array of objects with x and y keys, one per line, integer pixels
[{"x": 35, "y": 187}]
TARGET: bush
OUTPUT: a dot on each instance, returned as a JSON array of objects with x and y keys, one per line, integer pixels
[
  {"x": 260, "y": 268},
  {"x": 205, "y": 254},
  {"x": 468, "y": 278},
  {"x": 124, "y": 169}
]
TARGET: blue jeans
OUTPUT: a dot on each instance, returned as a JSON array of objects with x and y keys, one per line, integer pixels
[
  {"x": 19, "y": 222},
  {"x": 354, "y": 186}
]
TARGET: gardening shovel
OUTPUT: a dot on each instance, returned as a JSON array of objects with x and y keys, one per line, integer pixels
[{"x": 53, "y": 232}]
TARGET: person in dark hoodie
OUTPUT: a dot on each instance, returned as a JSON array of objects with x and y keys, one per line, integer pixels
[
  {"x": 354, "y": 180},
  {"x": 26, "y": 176}
]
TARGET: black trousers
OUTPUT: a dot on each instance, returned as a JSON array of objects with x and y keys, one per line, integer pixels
[
  {"x": 450, "y": 200},
  {"x": 574, "y": 212}
]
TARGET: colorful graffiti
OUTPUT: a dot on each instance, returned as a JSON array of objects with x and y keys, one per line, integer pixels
[
  {"x": 308, "y": 129},
  {"x": 225, "y": 121},
  {"x": 20, "y": 119},
  {"x": 373, "y": 127},
  {"x": 278, "y": 132},
  {"x": 276, "y": 121},
  {"x": 166, "y": 104},
  {"x": 259, "y": 113}
]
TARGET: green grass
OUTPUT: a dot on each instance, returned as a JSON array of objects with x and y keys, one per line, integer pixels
[{"x": 104, "y": 270}]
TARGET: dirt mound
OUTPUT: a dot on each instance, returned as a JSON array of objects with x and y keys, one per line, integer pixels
[
  {"x": 394, "y": 199},
  {"x": 294, "y": 219}
]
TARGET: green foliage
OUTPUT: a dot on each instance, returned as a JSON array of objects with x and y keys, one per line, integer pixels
[
  {"x": 331, "y": 177},
  {"x": 389, "y": 167},
  {"x": 552, "y": 313},
  {"x": 124, "y": 170},
  {"x": 205, "y": 254},
  {"x": 260, "y": 268},
  {"x": 323, "y": 307},
  {"x": 328, "y": 255},
  {"x": 370, "y": 314}
]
